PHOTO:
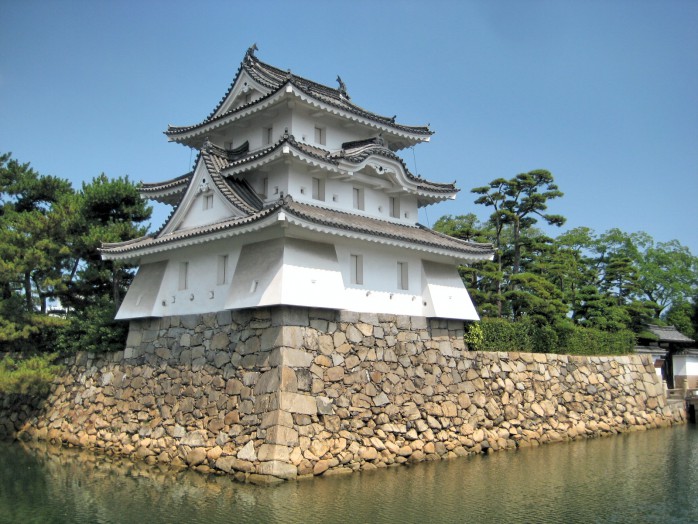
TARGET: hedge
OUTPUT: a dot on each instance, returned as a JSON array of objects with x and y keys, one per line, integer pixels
[{"x": 497, "y": 334}]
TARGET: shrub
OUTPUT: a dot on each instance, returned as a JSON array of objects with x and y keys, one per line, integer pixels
[
  {"x": 93, "y": 329},
  {"x": 565, "y": 338},
  {"x": 474, "y": 336},
  {"x": 28, "y": 376}
]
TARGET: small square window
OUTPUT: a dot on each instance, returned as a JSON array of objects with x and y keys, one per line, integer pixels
[
  {"x": 222, "y": 269},
  {"x": 358, "y": 198},
  {"x": 319, "y": 135},
  {"x": 402, "y": 276},
  {"x": 208, "y": 201},
  {"x": 183, "y": 275},
  {"x": 394, "y": 207},
  {"x": 356, "y": 269},
  {"x": 268, "y": 136},
  {"x": 318, "y": 189}
]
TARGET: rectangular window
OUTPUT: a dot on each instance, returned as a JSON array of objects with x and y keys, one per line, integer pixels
[
  {"x": 183, "y": 275},
  {"x": 268, "y": 136},
  {"x": 265, "y": 187},
  {"x": 394, "y": 207},
  {"x": 402, "y": 281},
  {"x": 222, "y": 269},
  {"x": 318, "y": 189},
  {"x": 208, "y": 201},
  {"x": 319, "y": 135},
  {"x": 358, "y": 198},
  {"x": 357, "y": 269}
]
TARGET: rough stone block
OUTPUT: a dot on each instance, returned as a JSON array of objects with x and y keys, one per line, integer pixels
[
  {"x": 273, "y": 452},
  {"x": 325, "y": 406},
  {"x": 335, "y": 374},
  {"x": 247, "y": 452},
  {"x": 195, "y": 457},
  {"x": 419, "y": 323},
  {"x": 297, "y": 403},
  {"x": 229, "y": 464},
  {"x": 224, "y": 318},
  {"x": 291, "y": 357},
  {"x": 381, "y": 399},
  {"x": 268, "y": 382},
  {"x": 271, "y": 338},
  {"x": 220, "y": 341},
  {"x": 279, "y": 469},
  {"x": 189, "y": 321},
  {"x": 282, "y": 435},
  {"x": 353, "y": 334},
  {"x": 290, "y": 316},
  {"x": 288, "y": 381},
  {"x": 276, "y": 418},
  {"x": 220, "y": 359},
  {"x": 194, "y": 439},
  {"x": 348, "y": 316},
  {"x": 135, "y": 336}
]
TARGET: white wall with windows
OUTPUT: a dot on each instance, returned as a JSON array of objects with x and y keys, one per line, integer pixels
[{"x": 350, "y": 275}]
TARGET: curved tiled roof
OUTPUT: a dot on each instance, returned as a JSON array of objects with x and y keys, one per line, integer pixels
[
  {"x": 180, "y": 181},
  {"x": 153, "y": 240},
  {"x": 358, "y": 151},
  {"x": 381, "y": 228},
  {"x": 275, "y": 79},
  {"x": 669, "y": 334},
  {"x": 355, "y": 155},
  {"x": 237, "y": 192},
  {"x": 168, "y": 191},
  {"x": 329, "y": 218}
]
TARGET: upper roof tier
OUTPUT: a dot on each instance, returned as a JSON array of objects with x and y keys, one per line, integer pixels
[{"x": 258, "y": 86}]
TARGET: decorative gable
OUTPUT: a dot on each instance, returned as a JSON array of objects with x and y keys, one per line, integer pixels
[{"x": 245, "y": 90}]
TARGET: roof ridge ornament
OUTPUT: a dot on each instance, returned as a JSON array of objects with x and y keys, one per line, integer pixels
[
  {"x": 251, "y": 50},
  {"x": 342, "y": 87}
]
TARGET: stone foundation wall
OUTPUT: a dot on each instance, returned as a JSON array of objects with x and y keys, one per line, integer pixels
[{"x": 278, "y": 393}]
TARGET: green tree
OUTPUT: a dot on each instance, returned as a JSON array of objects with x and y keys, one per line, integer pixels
[
  {"x": 33, "y": 252},
  {"x": 107, "y": 210},
  {"x": 517, "y": 203},
  {"x": 679, "y": 315},
  {"x": 667, "y": 274},
  {"x": 49, "y": 240}
]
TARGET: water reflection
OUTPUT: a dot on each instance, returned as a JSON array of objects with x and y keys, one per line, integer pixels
[{"x": 646, "y": 477}]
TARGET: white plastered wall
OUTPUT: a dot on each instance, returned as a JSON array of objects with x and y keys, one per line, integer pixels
[
  {"x": 286, "y": 271},
  {"x": 293, "y": 271},
  {"x": 685, "y": 365}
]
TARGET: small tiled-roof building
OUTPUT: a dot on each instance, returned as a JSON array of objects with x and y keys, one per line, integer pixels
[
  {"x": 297, "y": 197},
  {"x": 675, "y": 355}
]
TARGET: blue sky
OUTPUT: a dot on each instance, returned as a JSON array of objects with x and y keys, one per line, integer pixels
[{"x": 601, "y": 93}]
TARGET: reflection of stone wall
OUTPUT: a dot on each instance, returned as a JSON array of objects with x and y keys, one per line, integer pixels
[{"x": 281, "y": 392}]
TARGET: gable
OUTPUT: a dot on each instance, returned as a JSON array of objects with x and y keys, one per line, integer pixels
[
  {"x": 202, "y": 203},
  {"x": 245, "y": 90}
]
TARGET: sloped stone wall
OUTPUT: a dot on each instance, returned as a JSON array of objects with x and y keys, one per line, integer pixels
[{"x": 276, "y": 393}]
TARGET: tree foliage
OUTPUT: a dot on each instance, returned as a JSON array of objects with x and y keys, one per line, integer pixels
[
  {"x": 49, "y": 259},
  {"x": 613, "y": 282}
]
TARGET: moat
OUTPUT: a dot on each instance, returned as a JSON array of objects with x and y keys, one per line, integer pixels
[{"x": 646, "y": 476}]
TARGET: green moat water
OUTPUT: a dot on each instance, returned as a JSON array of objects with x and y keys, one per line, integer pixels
[{"x": 639, "y": 477}]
